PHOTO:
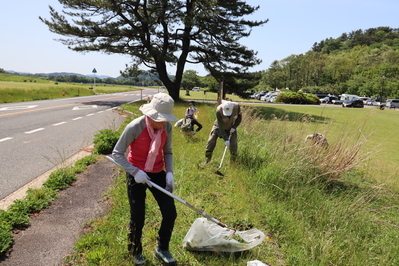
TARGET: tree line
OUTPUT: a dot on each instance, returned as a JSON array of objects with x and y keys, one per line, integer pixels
[{"x": 365, "y": 63}]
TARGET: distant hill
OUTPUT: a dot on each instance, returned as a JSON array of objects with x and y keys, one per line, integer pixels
[
  {"x": 372, "y": 37},
  {"x": 56, "y": 74},
  {"x": 146, "y": 78}
]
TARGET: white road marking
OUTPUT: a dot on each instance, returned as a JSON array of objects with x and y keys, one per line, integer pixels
[
  {"x": 60, "y": 123},
  {"x": 20, "y": 107},
  {"x": 83, "y": 107},
  {"x": 99, "y": 112},
  {"x": 35, "y": 130},
  {"x": 5, "y": 139},
  {"x": 89, "y": 114},
  {"x": 77, "y": 118}
]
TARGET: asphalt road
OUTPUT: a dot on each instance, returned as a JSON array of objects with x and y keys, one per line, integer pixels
[{"x": 36, "y": 136}]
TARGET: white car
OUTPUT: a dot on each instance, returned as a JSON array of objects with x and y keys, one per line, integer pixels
[
  {"x": 337, "y": 101},
  {"x": 272, "y": 99},
  {"x": 392, "y": 103},
  {"x": 324, "y": 100}
]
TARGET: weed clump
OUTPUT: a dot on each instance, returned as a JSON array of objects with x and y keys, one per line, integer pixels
[{"x": 105, "y": 141}]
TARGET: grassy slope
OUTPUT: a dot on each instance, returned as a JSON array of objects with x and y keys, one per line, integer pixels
[
  {"x": 17, "y": 88},
  {"x": 351, "y": 222}
]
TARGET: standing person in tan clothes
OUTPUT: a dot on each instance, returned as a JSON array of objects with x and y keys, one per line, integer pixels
[{"x": 228, "y": 118}]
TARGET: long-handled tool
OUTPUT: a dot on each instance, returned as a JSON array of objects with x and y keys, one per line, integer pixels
[
  {"x": 221, "y": 162},
  {"x": 181, "y": 200},
  {"x": 215, "y": 237}
]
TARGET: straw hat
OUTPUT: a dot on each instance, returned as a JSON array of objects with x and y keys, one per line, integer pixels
[{"x": 160, "y": 109}]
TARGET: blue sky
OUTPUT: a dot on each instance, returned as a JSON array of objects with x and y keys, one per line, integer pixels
[{"x": 294, "y": 26}]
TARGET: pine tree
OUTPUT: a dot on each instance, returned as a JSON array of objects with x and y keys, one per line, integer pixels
[{"x": 158, "y": 34}]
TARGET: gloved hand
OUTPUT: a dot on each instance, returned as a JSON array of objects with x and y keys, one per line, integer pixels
[
  {"x": 227, "y": 143},
  {"x": 142, "y": 177},
  {"x": 170, "y": 182},
  {"x": 232, "y": 130}
]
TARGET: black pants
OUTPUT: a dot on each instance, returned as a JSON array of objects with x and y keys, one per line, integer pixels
[
  {"x": 137, "y": 194},
  {"x": 195, "y": 122}
]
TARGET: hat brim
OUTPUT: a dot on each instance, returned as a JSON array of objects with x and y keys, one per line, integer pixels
[
  {"x": 227, "y": 113},
  {"x": 149, "y": 111}
]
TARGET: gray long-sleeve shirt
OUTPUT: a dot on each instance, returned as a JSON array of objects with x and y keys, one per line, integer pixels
[{"x": 131, "y": 132}]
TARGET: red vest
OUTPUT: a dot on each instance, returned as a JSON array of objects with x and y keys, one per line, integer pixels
[{"x": 139, "y": 151}]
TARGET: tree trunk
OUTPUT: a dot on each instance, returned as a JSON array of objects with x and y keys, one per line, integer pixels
[{"x": 174, "y": 92}]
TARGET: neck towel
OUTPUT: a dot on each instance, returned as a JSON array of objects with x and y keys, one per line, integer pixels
[{"x": 155, "y": 136}]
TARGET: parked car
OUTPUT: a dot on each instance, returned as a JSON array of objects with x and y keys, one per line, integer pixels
[
  {"x": 272, "y": 98},
  {"x": 356, "y": 102},
  {"x": 369, "y": 102},
  {"x": 328, "y": 99},
  {"x": 265, "y": 96},
  {"x": 324, "y": 100},
  {"x": 320, "y": 95},
  {"x": 262, "y": 93},
  {"x": 392, "y": 103},
  {"x": 364, "y": 99},
  {"x": 337, "y": 101},
  {"x": 376, "y": 103},
  {"x": 253, "y": 96}
]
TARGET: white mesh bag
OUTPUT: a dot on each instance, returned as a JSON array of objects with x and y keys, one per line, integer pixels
[{"x": 208, "y": 236}]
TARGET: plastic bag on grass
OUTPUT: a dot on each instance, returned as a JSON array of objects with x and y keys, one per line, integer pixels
[{"x": 208, "y": 236}]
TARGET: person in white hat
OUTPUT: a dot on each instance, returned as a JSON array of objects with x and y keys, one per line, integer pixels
[
  {"x": 148, "y": 140},
  {"x": 228, "y": 118}
]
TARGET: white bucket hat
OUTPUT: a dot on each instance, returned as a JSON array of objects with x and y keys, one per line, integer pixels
[
  {"x": 160, "y": 109},
  {"x": 227, "y": 107}
]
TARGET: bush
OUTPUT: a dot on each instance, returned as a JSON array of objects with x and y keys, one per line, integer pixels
[
  {"x": 5, "y": 234},
  {"x": 60, "y": 179},
  {"x": 14, "y": 218},
  {"x": 82, "y": 164},
  {"x": 312, "y": 99},
  {"x": 291, "y": 97},
  {"x": 35, "y": 200},
  {"x": 105, "y": 141}
]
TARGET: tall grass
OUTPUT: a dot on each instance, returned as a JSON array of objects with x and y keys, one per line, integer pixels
[
  {"x": 374, "y": 130},
  {"x": 316, "y": 205}
]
